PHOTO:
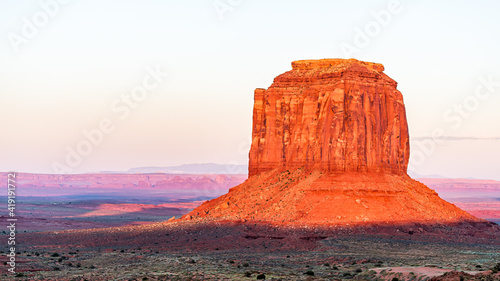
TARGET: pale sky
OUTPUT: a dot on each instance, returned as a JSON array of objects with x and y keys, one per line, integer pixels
[{"x": 69, "y": 66}]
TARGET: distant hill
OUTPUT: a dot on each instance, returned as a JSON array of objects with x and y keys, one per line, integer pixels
[{"x": 206, "y": 168}]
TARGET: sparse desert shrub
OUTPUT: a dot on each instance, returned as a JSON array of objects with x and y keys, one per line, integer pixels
[
  {"x": 309, "y": 272},
  {"x": 346, "y": 274},
  {"x": 60, "y": 260},
  {"x": 395, "y": 279},
  {"x": 496, "y": 268},
  {"x": 56, "y": 269},
  {"x": 359, "y": 270},
  {"x": 326, "y": 264},
  {"x": 335, "y": 267},
  {"x": 54, "y": 255},
  {"x": 261, "y": 276},
  {"x": 19, "y": 274},
  {"x": 248, "y": 274},
  {"x": 246, "y": 264}
]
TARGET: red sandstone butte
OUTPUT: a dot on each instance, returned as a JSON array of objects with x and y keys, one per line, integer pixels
[
  {"x": 330, "y": 145},
  {"x": 330, "y": 115}
]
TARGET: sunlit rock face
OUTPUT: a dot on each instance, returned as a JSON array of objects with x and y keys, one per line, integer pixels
[
  {"x": 330, "y": 146},
  {"x": 331, "y": 115}
]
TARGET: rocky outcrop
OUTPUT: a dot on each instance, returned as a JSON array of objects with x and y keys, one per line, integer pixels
[
  {"x": 330, "y": 146},
  {"x": 330, "y": 115}
]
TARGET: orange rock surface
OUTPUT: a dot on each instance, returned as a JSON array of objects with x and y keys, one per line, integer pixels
[
  {"x": 330, "y": 145},
  {"x": 330, "y": 115}
]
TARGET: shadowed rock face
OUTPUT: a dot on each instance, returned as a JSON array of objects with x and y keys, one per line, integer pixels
[
  {"x": 330, "y": 146},
  {"x": 330, "y": 115}
]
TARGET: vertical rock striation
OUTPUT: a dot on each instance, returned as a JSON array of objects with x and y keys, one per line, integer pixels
[{"x": 331, "y": 115}]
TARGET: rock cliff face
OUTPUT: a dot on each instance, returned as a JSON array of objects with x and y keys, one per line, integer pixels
[
  {"x": 330, "y": 146},
  {"x": 330, "y": 115}
]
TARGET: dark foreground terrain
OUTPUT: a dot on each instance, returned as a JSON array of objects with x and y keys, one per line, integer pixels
[
  {"x": 114, "y": 250},
  {"x": 250, "y": 251}
]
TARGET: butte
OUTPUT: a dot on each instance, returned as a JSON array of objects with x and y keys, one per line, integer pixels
[{"x": 330, "y": 146}]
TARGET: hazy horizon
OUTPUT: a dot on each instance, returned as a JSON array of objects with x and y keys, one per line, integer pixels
[{"x": 168, "y": 83}]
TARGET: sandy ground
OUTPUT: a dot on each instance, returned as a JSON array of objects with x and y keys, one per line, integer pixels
[{"x": 406, "y": 273}]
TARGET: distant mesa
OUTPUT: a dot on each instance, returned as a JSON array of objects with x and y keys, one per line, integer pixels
[
  {"x": 330, "y": 145},
  {"x": 205, "y": 168}
]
